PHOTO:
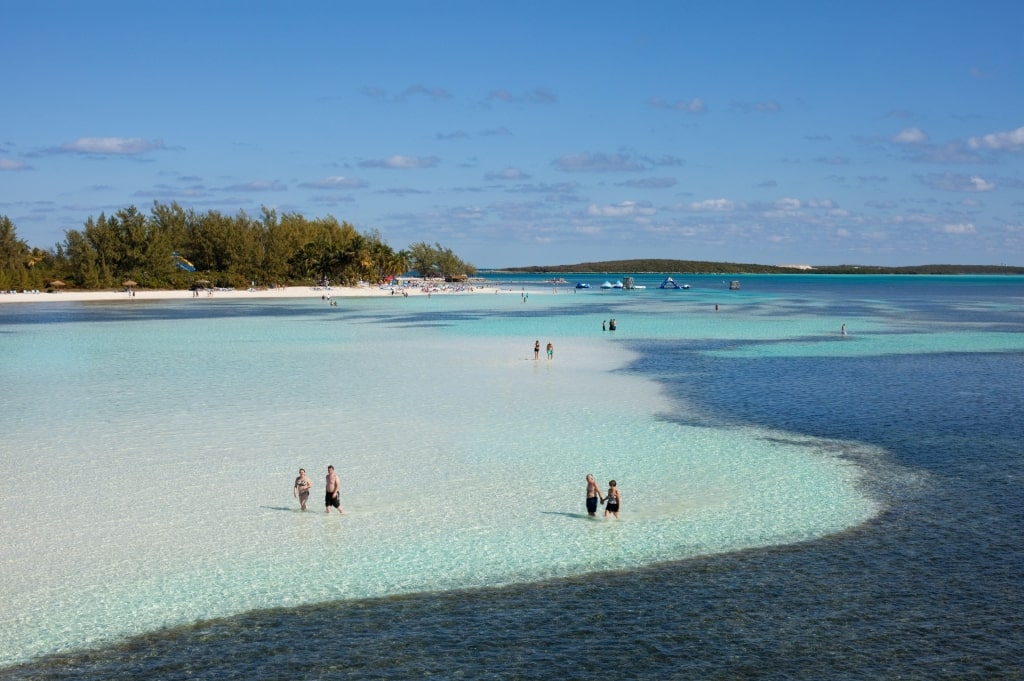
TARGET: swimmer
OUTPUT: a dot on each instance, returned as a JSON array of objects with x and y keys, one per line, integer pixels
[
  {"x": 612, "y": 500},
  {"x": 332, "y": 494},
  {"x": 593, "y": 496},
  {"x": 301, "y": 488}
]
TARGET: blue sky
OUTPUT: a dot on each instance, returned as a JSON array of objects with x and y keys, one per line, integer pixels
[{"x": 532, "y": 133}]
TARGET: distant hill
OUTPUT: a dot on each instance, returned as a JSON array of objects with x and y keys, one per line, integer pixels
[{"x": 662, "y": 266}]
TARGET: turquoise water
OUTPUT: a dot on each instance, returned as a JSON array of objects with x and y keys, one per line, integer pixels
[{"x": 149, "y": 450}]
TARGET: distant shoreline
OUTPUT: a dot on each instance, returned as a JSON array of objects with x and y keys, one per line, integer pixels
[{"x": 693, "y": 267}]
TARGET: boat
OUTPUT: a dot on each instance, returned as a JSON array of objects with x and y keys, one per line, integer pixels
[
  {"x": 734, "y": 285},
  {"x": 582, "y": 284},
  {"x": 606, "y": 284},
  {"x": 669, "y": 283},
  {"x": 618, "y": 284},
  {"x": 685, "y": 286}
]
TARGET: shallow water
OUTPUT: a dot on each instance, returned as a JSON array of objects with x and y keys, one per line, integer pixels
[{"x": 717, "y": 448}]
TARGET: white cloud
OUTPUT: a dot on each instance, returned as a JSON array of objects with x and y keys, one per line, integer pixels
[
  {"x": 962, "y": 228},
  {"x": 788, "y": 204},
  {"x": 507, "y": 174},
  {"x": 910, "y": 136},
  {"x": 620, "y": 210},
  {"x": 257, "y": 186},
  {"x": 11, "y": 164},
  {"x": 335, "y": 182},
  {"x": 950, "y": 182},
  {"x": 398, "y": 161},
  {"x": 119, "y": 146},
  {"x": 981, "y": 185},
  {"x": 599, "y": 162},
  {"x": 695, "y": 105},
  {"x": 712, "y": 205},
  {"x": 1012, "y": 140}
]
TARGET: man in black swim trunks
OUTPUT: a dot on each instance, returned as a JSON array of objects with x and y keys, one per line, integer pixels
[
  {"x": 593, "y": 495},
  {"x": 332, "y": 495}
]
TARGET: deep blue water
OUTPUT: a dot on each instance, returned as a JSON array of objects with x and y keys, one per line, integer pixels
[{"x": 931, "y": 589}]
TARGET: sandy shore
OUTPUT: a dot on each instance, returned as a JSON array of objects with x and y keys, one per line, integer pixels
[{"x": 248, "y": 294}]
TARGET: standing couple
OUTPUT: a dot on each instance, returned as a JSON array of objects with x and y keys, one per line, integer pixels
[
  {"x": 611, "y": 500},
  {"x": 332, "y": 494}
]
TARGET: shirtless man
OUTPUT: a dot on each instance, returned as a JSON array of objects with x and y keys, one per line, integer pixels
[
  {"x": 332, "y": 494},
  {"x": 593, "y": 495},
  {"x": 301, "y": 488}
]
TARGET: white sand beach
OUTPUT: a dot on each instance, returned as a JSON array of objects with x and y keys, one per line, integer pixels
[{"x": 417, "y": 288}]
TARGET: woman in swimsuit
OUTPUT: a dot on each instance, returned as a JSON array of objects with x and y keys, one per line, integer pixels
[
  {"x": 301, "y": 488},
  {"x": 612, "y": 500}
]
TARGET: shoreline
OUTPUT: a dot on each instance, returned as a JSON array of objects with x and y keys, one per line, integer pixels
[{"x": 426, "y": 288}]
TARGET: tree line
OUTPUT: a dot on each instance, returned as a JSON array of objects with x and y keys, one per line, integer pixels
[{"x": 175, "y": 248}]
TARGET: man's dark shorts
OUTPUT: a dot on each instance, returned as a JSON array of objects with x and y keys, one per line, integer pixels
[
  {"x": 332, "y": 499},
  {"x": 591, "y": 504}
]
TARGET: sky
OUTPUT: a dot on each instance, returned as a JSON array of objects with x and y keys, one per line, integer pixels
[{"x": 533, "y": 133}]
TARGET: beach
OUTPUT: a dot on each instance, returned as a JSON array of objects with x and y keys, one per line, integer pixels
[{"x": 283, "y": 292}]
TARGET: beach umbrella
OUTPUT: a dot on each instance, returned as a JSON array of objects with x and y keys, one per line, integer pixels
[
  {"x": 57, "y": 283},
  {"x": 128, "y": 284}
]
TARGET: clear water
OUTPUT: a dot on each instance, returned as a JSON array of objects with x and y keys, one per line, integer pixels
[{"x": 149, "y": 452}]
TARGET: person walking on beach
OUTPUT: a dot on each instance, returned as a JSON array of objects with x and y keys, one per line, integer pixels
[
  {"x": 612, "y": 499},
  {"x": 536, "y": 349},
  {"x": 301, "y": 488},
  {"x": 593, "y": 496},
  {"x": 551, "y": 351},
  {"x": 332, "y": 495}
]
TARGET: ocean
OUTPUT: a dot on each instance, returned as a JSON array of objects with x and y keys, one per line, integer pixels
[{"x": 797, "y": 503}]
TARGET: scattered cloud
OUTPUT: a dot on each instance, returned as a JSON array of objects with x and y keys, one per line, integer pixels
[
  {"x": 963, "y": 228},
  {"x": 951, "y": 182},
  {"x": 457, "y": 135},
  {"x": 535, "y": 96},
  {"x": 496, "y": 132},
  {"x": 335, "y": 182},
  {"x": 433, "y": 93},
  {"x": 650, "y": 183},
  {"x": 980, "y": 74},
  {"x": 598, "y": 162},
  {"x": 665, "y": 160},
  {"x": 833, "y": 160},
  {"x": 11, "y": 164},
  {"x": 1012, "y": 140},
  {"x": 695, "y": 105},
  {"x": 403, "y": 191},
  {"x": 910, "y": 136},
  {"x": 711, "y": 205},
  {"x": 257, "y": 186},
  {"x": 401, "y": 162},
  {"x": 620, "y": 210},
  {"x": 507, "y": 174},
  {"x": 110, "y": 146}
]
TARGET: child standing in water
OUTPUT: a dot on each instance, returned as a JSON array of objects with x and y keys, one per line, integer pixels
[{"x": 612, "y": 500}]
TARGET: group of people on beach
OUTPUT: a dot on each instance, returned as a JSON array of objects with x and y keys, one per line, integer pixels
[
  {"x": 332, "y": 491},
  {"x": 332, "y": 494},
  {"x": 611, "y": 501},
  {"x": 536, "y": 350}
]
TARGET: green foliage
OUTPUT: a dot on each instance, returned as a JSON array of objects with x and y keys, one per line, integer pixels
[
  {"x": 437, "y": 261},
  {"x": 226, "y": 250}
]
